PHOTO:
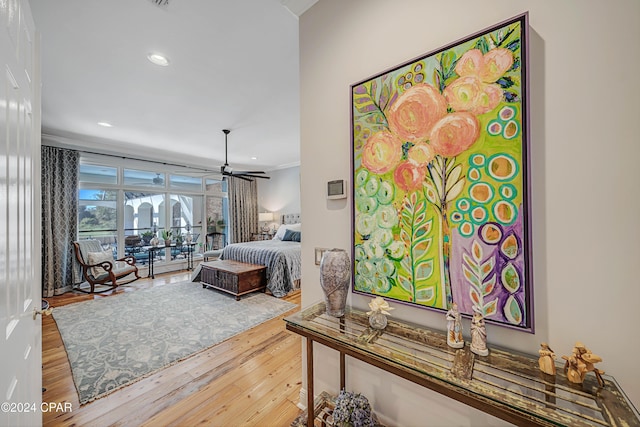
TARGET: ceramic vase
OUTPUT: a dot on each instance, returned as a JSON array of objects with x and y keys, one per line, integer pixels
[
  {"x": 335, "y": 277},
  {"x": 154, "y": 241}
]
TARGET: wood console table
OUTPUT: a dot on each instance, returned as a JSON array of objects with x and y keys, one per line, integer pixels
[{"x": 504, "y": 384}]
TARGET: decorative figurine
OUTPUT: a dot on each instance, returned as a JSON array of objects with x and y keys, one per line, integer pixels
[
  {"x": 454, "y": 327},
  {"x": 478, "y": 335},
  {"x": 378, "y": 314},
  {"x": 547, "y": 359},
  {"x": 580, "y": 363}
]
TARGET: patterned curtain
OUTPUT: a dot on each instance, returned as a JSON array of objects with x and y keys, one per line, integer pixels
[
  {"x": 59, "y": 218},
  {"x": 243, "y": 209}
]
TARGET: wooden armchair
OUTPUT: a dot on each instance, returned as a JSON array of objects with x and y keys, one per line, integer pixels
[{"x": 99, "y": 267}]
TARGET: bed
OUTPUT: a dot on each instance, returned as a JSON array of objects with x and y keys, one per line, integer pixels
[{"x": 282, "y": 257}]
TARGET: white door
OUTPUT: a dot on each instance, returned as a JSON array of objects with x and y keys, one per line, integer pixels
[{"x": 20, "y": 281}]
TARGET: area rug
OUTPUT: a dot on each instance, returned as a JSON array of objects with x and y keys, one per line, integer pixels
[{"x": 114, "y": 341}]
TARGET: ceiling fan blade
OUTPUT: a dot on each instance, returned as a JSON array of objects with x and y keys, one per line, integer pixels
[
  {"x": 261, "y": 172},
  {"x": 197, "y": 173},
  {"x": 251, "y": 175}
]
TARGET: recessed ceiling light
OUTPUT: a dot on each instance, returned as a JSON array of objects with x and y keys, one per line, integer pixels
[
  {"x": 254, "y": 158},
  {"x": 158, "y": 59},
  {"x": 105, "y": 124}
]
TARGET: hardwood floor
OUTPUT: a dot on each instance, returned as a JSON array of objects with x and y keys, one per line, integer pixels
[{"x": 253, "y": 378}]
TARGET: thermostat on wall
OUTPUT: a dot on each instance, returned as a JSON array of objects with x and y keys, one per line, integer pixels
[{"x": 337, "y": 189}]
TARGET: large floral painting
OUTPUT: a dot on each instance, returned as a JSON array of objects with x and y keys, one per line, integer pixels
[{"x": 440, "y": 179}]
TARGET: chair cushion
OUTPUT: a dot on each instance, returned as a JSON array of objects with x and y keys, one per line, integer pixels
[{"x": 98, "y": 257}]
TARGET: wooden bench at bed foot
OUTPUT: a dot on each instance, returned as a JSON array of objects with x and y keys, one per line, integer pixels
[{"x": 234, "y": 277}]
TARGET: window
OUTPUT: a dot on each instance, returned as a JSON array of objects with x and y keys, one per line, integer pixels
[
  {"x": 190, "y": 183},
  {"x": 143, "y": 210},
  {"x": 142, "y": 178},
  {"x": 98, "y": 174},
  {"x": 117, "y": 201},
  {"x": 97, "y": 216}
]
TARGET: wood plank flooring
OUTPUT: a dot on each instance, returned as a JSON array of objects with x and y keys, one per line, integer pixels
[{"x": 252, "y": 379}]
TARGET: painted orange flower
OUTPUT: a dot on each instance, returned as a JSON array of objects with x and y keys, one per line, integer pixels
[
  {"x": 409, "y": 175},
  {"x": 382, "y": 152},
  {"x": 496, "y": 62},
  {"x": 488, "y": 67},
  {"x": 455, "y": 133},
  {"x": 475, "y": 91},
  {"x": 421, "y": 153},
  {"x": 414, "y": 113},
  {"x": 470, "y": 63}
]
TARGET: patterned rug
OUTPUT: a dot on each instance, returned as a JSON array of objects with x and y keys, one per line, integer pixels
[{"x": 112, "y": 342}]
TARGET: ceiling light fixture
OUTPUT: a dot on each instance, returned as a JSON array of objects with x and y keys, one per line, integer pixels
[
  {"x": 254, "y": 158},
  {"x": 158, "y": 59},
  {"x": 105, "y": 124}
]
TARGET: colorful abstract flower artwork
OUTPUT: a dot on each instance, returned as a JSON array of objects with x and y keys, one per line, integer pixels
[{"x": 440, "y": 179}]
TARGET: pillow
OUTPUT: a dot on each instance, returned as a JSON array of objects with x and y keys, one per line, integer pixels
[
  {"x": 291, "y": 236},
  {"x": 98, "y": 257},
  {"x": 284, "y": 227}
]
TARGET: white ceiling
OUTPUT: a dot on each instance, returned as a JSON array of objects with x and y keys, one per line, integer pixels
[{"x": 234, "y": 65}]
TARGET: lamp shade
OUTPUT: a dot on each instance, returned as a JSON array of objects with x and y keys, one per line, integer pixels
[{"x": 265, "y": 216}]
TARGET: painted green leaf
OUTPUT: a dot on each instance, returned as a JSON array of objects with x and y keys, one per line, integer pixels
[
  {"x": 490, "y": 308},
  {"x": 512, "y": 310},
  {"x": 405, "y": 237},
  {"x": 489, "y": 285},
  {"x": 472, "y": 278},
  {"x": 471, "y": 264},
  {"x": 475, "y": 297},
  {"x": 454, "y": 175},
  {"x": 476, "y": 251},
  {"x": 486, "y": 268},
  {"x": 455, "y": 190},
  {"x": 415, "y": 230},
  {"x": 482, "y": 45},
  {"x": 424, "y": 269},
  {"x": 421, "y": 248},
  {"x": 426, "y": 295},
  {"x": 405, "y": 284},
  {"x": 424, "y": 228},
  {"x": 510, "y": 278},
  {"x": 430, "y": 192}
]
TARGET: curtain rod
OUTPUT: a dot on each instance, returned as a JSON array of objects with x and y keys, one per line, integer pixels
[{"x": 142, "y": 160}]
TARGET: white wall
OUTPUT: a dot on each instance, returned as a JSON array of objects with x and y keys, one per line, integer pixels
[
  {"x": 281, "y": 193},
  {"x": 584, "y": 150}
]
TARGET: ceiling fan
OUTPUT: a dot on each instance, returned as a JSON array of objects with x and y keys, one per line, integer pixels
[
  {"x": 226, "y": 170},
  {"x": 158, "y": 180}
]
